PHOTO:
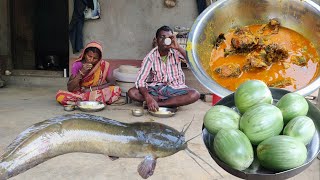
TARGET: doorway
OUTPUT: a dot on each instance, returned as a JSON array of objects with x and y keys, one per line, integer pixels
[{"x": 39, "y": 34}]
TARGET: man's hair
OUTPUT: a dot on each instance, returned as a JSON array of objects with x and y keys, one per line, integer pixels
[{"x": 163, "y": 28}]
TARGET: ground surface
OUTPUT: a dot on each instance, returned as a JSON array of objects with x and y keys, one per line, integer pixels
[{"x": 20, "y": 107}]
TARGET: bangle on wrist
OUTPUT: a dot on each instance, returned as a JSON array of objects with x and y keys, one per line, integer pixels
[{"x": 90, "y": 89}]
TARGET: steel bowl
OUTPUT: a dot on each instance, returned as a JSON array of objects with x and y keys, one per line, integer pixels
[
  {"x": 300, "y": 16},
  {"x": 256, "y": 171},
  {"x": 69, "y": 107},
  {"x": 90, "y": 106},
  {"x": 164, "y": 112},
  {"x": 137, "y": 112}
]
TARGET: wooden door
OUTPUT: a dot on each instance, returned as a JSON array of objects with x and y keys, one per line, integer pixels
[
  {"x": 22, "y": 28},
  {"x": 39, "y": 32}
]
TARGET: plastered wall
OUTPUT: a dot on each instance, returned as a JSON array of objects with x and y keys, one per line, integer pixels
[{"x": 126, "y": 28}]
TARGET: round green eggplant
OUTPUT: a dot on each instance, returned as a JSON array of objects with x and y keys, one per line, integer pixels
[
  {"x": 251, "y": 93},
  {"x": 301, "y": 128},
  {"x": 280, "y": 153},
  {"x": 234, "y": 148},
  {"x": 292, "y": 105},
  {"x": 261, "y": 122},
  {"x": 220, "y": 117}
]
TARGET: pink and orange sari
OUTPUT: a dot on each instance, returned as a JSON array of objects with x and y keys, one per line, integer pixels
[{"x": 97, "y": 76}]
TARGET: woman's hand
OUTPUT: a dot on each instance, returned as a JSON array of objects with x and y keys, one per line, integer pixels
[{"x": 86, "y": 67}]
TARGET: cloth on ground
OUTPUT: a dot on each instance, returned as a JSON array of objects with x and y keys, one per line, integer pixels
[{"x": 164, "y": 92}]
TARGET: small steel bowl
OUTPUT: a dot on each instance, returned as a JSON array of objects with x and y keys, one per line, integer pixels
[
  {"x": 69, "y": 107},
  {"x": 137, "y": 112},
  {"x": 164, "y": 112}
]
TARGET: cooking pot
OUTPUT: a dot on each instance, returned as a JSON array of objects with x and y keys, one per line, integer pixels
[{"x": 300, "y": 16}]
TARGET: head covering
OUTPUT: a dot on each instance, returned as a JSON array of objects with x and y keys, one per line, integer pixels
[{"x": 91, "y": 44}]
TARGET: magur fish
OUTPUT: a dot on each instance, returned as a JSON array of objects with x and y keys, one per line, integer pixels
[{"x": 91, "y": 134}]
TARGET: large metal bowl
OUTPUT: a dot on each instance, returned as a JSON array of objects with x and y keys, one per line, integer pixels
[
  {"x": 219, "y": 17},
  {"x": 256, "y": 171}
]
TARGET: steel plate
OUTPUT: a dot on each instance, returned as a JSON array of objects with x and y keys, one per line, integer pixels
[
  {"x": 164, "y": 112},
  {"x": 90, "y": 106}
]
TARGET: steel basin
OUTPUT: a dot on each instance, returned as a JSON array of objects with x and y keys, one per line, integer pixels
[
  {"x": 301, "y": 16},
  {"x": 256, "y": 171}
]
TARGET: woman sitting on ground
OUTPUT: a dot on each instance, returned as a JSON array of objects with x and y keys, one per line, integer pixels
[{"x": 88, "y": 79}]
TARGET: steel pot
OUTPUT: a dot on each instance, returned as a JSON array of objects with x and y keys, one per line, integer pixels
[{"x": 301, "y": 16}]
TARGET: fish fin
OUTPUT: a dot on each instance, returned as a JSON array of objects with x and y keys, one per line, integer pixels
[
  {"x": 147, "y": 166},
  {"x": 113, "y": 158}
]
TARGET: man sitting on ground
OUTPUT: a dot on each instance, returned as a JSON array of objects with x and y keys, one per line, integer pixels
[{"x": 167, "y": 87}]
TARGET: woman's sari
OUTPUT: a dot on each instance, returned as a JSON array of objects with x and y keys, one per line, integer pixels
[{"x": 97, "y": 76}]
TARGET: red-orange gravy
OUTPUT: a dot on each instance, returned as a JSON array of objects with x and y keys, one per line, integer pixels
[{"x": 294, "y": 42}]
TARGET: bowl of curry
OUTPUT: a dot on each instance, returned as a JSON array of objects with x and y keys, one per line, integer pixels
[{"x": 275, "y": 41}]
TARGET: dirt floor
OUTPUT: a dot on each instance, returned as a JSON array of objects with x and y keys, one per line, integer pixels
[{"x": 20, "y": 107}]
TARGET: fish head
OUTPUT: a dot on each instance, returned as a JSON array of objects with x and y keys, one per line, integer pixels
[
  {"x": 167, "y": 142},
  {"x": 167, "y": 147},
  {"x": 160, "y": 139}
]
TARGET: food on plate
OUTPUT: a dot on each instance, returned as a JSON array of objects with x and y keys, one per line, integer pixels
[{"x": 91, "y": 106}]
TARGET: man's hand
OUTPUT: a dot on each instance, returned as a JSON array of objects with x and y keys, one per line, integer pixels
[
  {"x": 152, "y": 104},
  {"x": 174, "y": 44}
]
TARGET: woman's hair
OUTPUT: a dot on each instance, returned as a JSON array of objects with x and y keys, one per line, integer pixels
[{"x": 94, "y": 50}]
